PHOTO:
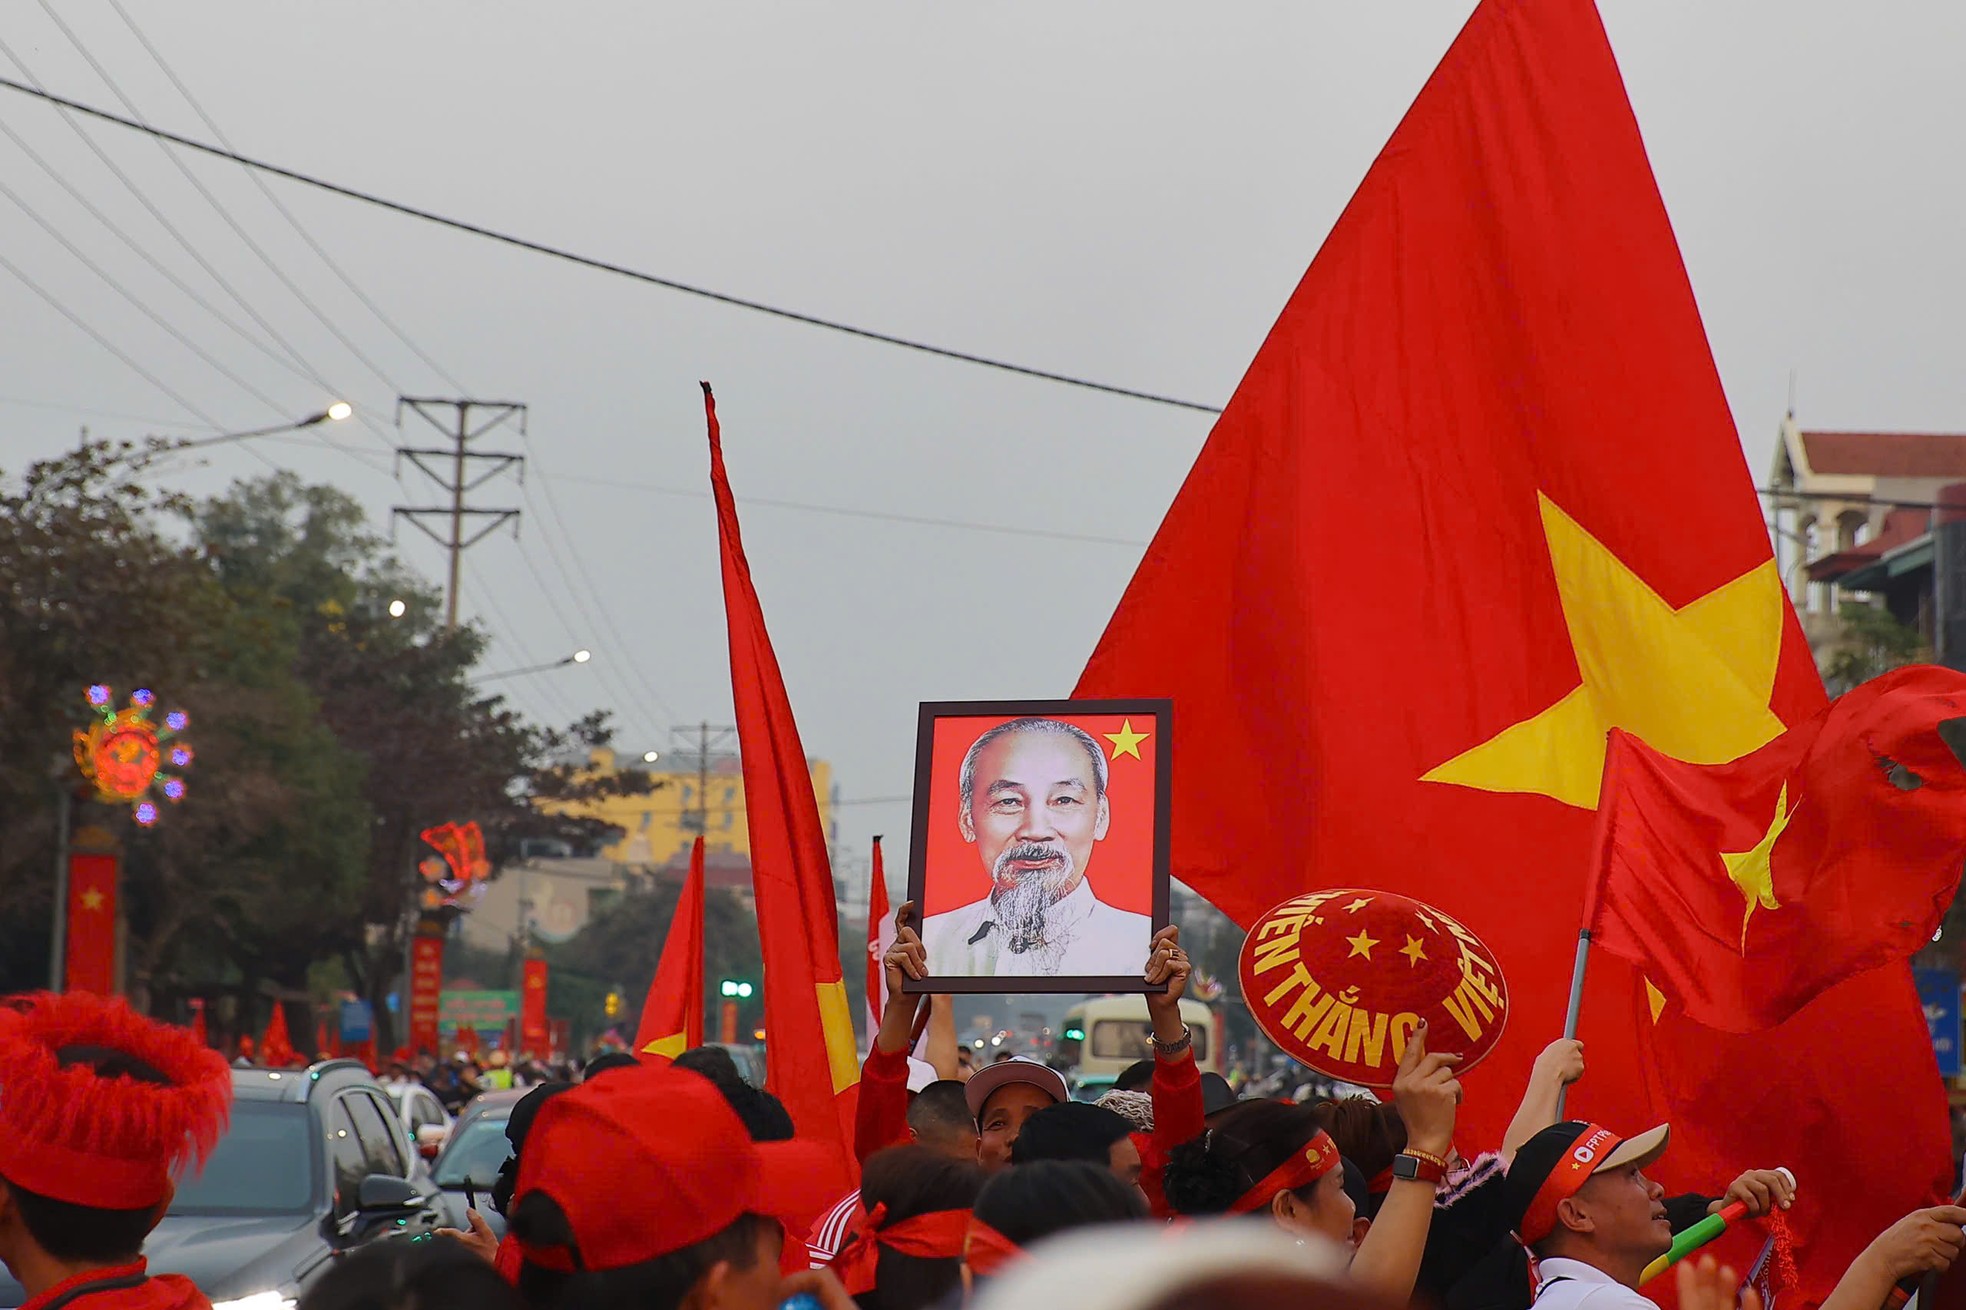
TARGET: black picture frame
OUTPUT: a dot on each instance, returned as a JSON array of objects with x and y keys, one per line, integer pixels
[{"x": 1160, "y": 710}]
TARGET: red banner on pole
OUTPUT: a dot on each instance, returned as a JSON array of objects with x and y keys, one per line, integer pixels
[
  {"x": 534, "y": 1035},
  {"x": 90, "y": 964},
  {"x": 426, "y": 987}
]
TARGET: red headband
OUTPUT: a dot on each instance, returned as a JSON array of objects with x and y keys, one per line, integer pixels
[
  {"x": 1318, "y": 1158},
  {"x": 988, "y": 1252},
  {"x": 937, "y": 1235},
  {"x": 1570, "y": 1174}
]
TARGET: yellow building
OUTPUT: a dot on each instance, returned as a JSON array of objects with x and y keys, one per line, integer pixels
[{"x": 694, "y": 795}]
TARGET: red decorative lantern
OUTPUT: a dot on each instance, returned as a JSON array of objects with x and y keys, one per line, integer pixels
[{"x": 1340, "y": 979}]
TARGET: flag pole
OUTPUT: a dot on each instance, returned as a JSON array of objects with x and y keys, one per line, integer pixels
[{"x": 1600, "y": 861}]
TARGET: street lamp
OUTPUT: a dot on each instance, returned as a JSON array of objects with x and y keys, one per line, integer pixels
[
  {"x": 336, "y": 412},
  {"x": 397, "y": 609},
  {"x": 650, "y": 757},
  {"x": 580, "y": 656}
]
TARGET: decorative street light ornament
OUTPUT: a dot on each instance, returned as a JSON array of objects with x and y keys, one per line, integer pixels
[
  {"x": 1340, "y": 979},
  {"x": 463, "y": 847},
  {"x": 123, "y": 753}
]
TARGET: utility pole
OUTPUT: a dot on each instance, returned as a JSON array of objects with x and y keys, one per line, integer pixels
[
  {"x": 723, "y": 736},
  {"x": 458, "y": 471}
]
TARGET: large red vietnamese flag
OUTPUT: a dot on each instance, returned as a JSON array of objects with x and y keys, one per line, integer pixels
[
  {"x": 1478, "y": 500},
  {"x": 672, "y": 1016},
  {"x": 809, "y": 1047}
]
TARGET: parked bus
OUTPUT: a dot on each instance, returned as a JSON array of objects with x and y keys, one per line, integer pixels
[{"x": 1105, "y": 1034}]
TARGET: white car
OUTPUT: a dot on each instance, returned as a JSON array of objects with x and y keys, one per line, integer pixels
[{"x": 425, "y": 1120}]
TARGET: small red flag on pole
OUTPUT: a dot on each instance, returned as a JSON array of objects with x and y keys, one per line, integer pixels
[
  {"x": 672, "y": 1016},
  {"x": 880, "y": 935},
  {"x": 808, "y": 1025}
]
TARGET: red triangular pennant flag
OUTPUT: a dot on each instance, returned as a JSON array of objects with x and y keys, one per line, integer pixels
[
  {"x": 880, "y": 935},
  {"x": 808, "y": 1026},
  {"x": 672, "y": 1016}
]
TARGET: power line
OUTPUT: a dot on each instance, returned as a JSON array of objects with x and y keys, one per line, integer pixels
[
  {"x": 218, "y": 206},
  {"x": 846, "y": 512},
  {"x": 58, "y": 407},
  {"x": 508, "y": 631},
  {"x": 607, "y": 266},
  {"x": 143, "y": 198},
  {"x": 277, "y": 203},
  {"x": 217, "y": 365},
  {"x": 105, "y": 342},
  {"x": 600, "y": 601},
  {"x": 162, "y": 269}
]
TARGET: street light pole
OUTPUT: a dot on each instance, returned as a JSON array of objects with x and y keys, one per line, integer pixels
[
  {"x": 334, "y": 413},
  {"x": 580, "y": 656}
]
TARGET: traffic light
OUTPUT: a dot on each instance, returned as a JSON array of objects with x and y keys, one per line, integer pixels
[
  {"x": 733, "y": 987},
  {"x": 612, "y": 1006}
]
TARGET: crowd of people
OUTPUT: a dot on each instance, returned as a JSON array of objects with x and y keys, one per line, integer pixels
[{"x": 681, "y": 1186}]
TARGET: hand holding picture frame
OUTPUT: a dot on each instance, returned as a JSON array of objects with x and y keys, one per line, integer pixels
[{"x": 1040, "y": 853}]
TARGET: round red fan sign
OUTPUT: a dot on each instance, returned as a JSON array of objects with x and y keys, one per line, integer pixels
[{"x": 1340, "y": 979}]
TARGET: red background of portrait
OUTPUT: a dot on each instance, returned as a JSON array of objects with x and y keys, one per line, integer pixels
[{"x": 1121, "y": 869}]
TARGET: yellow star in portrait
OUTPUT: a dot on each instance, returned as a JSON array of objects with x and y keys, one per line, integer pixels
[
  {"x": 1362, "y": 945},
  {"x": 1693, "y": 682},
  {"x": 92, "y": 899},
  {"x": 1358, "y": 905},
  {"x": 1414, "y": 952},
  {"x": 1752, "y": 870},
  {"x": 1126, "y": 741}
]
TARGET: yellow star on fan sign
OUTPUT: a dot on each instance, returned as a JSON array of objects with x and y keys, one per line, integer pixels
[
  {"x": 1126, "y": 741},
  {"x": 1752, "y": 870},
  {"x": 1692, "y": 682},
  {"x": 1362, "y": 944},
  {"x": 1414, "y": 951}
]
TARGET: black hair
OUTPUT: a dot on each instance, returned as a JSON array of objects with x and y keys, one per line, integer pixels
[
  {"x": 1243, "y": 1146},
  {"x": 1136, "y": 1077},
  {"x": 764, "y": 1115},
  {"x": 1034, "y": 1201},
  {"x": 433, "y": 1273},
  {"x": 517, "y": 1125},
  {"x": 81, "y": 1233},
  {"x": 940, "y": 1111},
  {"x": 910, "y": 1181},
  {"x": 1069, "y": 1130},
  {"x": 658, "y": 1284},
  {"x": 1367, "y": 1132},
  {"x": 607, "y": 1060},
  {"x": 713, "y": 1062}
]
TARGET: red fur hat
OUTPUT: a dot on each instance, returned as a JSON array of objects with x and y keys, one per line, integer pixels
[{"x": 110, "y": 1143}]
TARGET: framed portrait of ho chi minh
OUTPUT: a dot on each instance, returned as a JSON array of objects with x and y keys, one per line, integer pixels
[{"x": 1040, "y": 853}]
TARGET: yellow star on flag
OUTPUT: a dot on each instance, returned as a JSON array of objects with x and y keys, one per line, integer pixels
[
  {"x": 1692, "y": 682},
  {"x": 92, "y": 899},
  {"x": 1358, "y": 905},
  {"x": 1126, "y": 741},
  {"x": 1752, "y": 870},
  {"x": 1414, "y": 952},
  {"x": 1362, "y": 945}
]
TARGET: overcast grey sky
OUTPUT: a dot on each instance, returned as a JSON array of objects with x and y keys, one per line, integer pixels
[{"x": 1121, "y": 190}]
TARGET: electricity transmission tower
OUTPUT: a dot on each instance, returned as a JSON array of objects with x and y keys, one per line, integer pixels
[{"x": 459, "y": 471}]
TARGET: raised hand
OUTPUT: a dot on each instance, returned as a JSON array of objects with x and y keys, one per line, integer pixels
[{"x": 1427, "y": 1092}]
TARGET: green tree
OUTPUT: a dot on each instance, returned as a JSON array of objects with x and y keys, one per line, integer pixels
[{"x": 1870, "y": 641}]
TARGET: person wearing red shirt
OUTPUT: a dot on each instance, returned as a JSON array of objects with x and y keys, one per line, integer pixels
[{"x": 101, "y": 1108}]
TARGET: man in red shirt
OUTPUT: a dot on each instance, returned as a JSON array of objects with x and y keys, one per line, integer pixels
[{"x": 99, "y": 1108}]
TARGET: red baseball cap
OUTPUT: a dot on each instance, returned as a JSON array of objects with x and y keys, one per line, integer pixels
[{"x": 643, "y": 1163}]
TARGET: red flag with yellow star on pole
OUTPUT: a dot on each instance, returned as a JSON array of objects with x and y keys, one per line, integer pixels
[
  {"x": 813, "y": 1060},
  {"x": 1835, "y": 848},
  {"x": 672, "y": 1016},
  {"x": 1478, "y": 500}
]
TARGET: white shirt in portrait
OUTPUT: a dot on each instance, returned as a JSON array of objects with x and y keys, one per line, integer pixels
[{"x": 1082, "y": 936}]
